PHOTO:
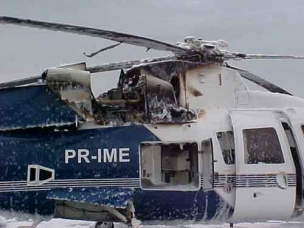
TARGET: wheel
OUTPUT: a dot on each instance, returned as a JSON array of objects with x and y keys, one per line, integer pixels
[{"x": 104, "y": 225}]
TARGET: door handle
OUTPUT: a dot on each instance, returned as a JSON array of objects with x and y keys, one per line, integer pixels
[{"x": 281, "y": 180}]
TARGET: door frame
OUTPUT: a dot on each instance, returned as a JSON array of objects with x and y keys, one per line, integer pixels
[{"x": 262, "y": 188}]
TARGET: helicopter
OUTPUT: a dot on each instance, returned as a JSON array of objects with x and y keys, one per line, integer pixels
[{"x": 182, "y": 138}]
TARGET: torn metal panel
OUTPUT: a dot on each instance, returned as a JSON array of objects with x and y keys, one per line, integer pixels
[
  {"x": 173, "y": 75},
  {"x": 162, "y": 103},
  {"x": 153, "y": 93},
  {"x": 160, "y": 98},
  {"x": 107, "y": 196},
  {"x": 74, "y": 87},
  {"x": 76, "y": 210},
  {"x": 173, "y": 71},
  {"x": 91, "y": 212},
  {"x": 33, "y": 106}
]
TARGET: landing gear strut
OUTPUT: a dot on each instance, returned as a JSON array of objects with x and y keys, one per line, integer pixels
[{"x": 104, "y": 225}]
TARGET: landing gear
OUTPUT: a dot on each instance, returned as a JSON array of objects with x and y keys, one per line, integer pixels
[
  {"x": 128, "y": 218},
  {"x": 104, "y": 225}
]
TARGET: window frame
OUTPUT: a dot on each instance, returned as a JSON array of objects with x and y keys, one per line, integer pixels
[
  {"x": 278, "y": 140},
  {"x": 220, "y": 148},
  {"x": 169, "y": 188},
  {"x": 36, "y": 181}
]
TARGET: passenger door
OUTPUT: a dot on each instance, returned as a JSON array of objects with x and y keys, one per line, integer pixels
[
  {"x": 265, "y": 173},
  {"x": 295, "y": 121}
]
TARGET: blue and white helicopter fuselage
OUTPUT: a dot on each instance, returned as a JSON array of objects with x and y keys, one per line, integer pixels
[{"x": 196, "y": 145}]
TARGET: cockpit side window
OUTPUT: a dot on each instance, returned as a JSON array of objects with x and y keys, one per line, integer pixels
[
  {"x": 262, "y": 145},
  {"x": 226, "y": 141},
  {"x": 38, "y": 175}
]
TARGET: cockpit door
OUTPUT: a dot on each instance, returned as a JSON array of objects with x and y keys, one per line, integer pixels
[{"x": 265, "y": 173}]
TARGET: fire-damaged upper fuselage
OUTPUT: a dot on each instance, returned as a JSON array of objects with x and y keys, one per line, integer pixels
[
  {"x": 181, "y": 137},
  {"x": 174, "y": 140},
  {"x": 163, "y": 92}
]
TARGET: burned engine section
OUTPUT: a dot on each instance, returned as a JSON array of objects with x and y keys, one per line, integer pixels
[
  {"x": 152, "y": 93},
  {"x": 124, "y": 104}
]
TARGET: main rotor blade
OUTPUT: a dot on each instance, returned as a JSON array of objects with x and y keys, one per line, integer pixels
[
  {"x": 91, "y": 69},
  {"x": 20, "y": 82},
  {"x": 105, "y": 34},
  {"x": 262, "y": 56},
  {"x": 126, "y": 64},
  {"x": 112, "y": 66},
  {"x": 259, "y": 81}
]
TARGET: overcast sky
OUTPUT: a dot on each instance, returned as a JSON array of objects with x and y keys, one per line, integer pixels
[{"x": 259, "y": 26}]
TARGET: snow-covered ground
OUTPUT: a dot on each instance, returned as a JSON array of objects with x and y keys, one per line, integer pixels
[{"x": 14, "y": 220}]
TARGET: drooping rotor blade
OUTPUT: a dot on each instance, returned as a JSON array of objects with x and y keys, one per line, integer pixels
[
  {"x": 101, "y": 50},
  {"x": 20, "y": 82},
  {"x": 259, "y": 81},
  {"x": 105, "y": 34},
  {"x": 126, "y": 64}
]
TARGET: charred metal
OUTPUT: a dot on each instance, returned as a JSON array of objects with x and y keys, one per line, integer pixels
[
  {"x": 148, "y": 93},
  {"x": 145, "y": 94}
]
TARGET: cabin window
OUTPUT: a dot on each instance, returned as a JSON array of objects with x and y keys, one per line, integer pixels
[
  {"x": 169, "y": 165},
  {"x": 38, "y": 175},
  {"x": 226, "y": 141},
  {"x": 44, "y": 174},
  {"x": 32, "y": 174},
  {"x": 262, "y": 145}
]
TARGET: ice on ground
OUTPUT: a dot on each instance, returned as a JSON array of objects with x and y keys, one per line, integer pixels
[
  {"x": 15, "y": 220},
  {"x": 2, "y": 222}
]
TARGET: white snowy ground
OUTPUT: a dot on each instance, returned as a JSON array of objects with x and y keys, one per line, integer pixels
[{"x": 14, "y": 220}]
